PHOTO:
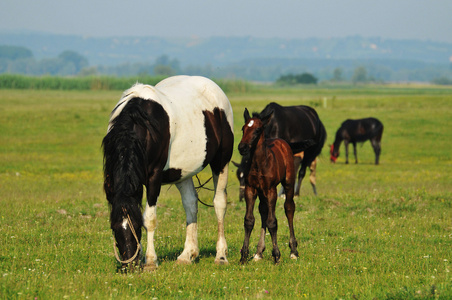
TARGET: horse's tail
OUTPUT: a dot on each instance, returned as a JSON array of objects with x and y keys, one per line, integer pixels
[{"x": 301, "y": 146}]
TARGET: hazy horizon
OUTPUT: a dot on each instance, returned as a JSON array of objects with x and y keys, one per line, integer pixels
[{"x": 288, "y": 19}]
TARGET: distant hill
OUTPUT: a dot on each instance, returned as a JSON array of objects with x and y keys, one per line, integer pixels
[{"x": 254, "y": 58}]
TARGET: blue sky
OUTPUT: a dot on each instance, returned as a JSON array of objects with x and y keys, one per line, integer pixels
[{"x": 392, "y": 19}]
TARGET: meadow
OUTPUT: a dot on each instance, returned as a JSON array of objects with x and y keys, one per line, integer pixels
[{"x": 373, "y": 232}]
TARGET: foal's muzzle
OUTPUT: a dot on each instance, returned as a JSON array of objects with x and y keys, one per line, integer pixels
[{"x": 243, "y": 149}]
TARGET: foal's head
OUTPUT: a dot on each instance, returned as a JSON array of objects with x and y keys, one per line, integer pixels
[{"x": 252, "y": 131}]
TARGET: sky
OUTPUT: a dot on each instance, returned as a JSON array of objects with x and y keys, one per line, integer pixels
[{"x": 290, "y": 19}]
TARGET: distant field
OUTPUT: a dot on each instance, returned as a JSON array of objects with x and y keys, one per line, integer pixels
[{"x": 373, "y": 232}]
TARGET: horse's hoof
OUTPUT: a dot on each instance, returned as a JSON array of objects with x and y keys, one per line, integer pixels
[
  {"x": 150, "y": 268},
  {"x": 257, "y": 257},
  {"x": 221, "y": 261},
  {"x": 182, "y": 261},
  {"x": 293, "y": 256}
]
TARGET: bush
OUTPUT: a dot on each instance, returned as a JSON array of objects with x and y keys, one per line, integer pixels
[{"x": 291, "y": 79}]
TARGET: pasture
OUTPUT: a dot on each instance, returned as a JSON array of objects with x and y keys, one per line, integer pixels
[{"x": 373, "y": 231}]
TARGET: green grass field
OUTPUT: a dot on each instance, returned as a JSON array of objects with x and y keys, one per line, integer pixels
[{"x": 381, "y": 232}]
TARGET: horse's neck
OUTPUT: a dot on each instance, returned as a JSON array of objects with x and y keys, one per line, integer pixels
[{"x": 338, "y": 140}]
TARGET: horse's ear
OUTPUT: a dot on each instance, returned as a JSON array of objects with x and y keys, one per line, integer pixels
[
  {"x": 265, "y": 118},
  {"x": 246, "y": 115},
  {"x": 235, "y": 164}
]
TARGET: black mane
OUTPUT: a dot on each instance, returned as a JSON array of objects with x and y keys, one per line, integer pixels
[{"x": 123, "y": 150}]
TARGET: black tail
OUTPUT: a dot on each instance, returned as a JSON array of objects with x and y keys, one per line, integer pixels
[{"x": 302, "y": 146}]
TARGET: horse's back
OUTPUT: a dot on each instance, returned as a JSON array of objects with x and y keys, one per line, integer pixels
[
  {"x": 194, "y": 105},
  {"x": 191, "y": 93}
]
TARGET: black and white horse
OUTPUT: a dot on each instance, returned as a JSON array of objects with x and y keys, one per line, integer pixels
[
  {"x": 358, "y": 131},
  {"x": 162, "y": 135}
]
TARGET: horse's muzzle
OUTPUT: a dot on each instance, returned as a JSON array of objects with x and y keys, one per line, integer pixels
[{"x": 243, "y": 149}]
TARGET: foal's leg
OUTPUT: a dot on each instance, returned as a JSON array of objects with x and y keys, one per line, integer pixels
[
  {"x": 219, "y": 202},
  {"x": 263, "y": 211},
  {"x": 272, "y": 222},
  {"x": 190, "y": 203},
  {"x": 289, "y": 208},
  {"x": 250, "y": 199}
]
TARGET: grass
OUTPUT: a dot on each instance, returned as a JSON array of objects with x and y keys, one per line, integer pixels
[{"x": 379, "y": 232}]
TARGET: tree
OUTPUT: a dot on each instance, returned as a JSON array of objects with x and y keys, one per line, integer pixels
[
  {"x": 14, "y": 53},
  {"x": 337, "y": 74},
  {"x": 74, "y": 58},
  {"x": 291, "y": 79},
  {"x": 359, "y": 75}
]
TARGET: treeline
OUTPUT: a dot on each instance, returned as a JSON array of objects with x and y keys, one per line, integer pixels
[
  {"x": 20, "y": 60},
  {"x": 9, "y": 81}
]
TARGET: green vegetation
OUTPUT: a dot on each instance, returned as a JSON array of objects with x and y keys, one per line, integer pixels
[
  {"x": 379, "y": 232},
  {"x": 290, "y": 79},
  {"x": 9, "y": 81}
]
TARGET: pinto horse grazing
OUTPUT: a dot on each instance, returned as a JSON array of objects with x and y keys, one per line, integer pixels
[
  {"x": 266, "y": 163},
  {"x": 296, "y": 124},
  {"x": 355, "y": 131},
  {"x": 161, "y": 135}
]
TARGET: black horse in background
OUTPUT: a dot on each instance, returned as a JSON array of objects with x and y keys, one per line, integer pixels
[
  {"x": 297, "y": 124},
  {"x": 358, "y": 131}
]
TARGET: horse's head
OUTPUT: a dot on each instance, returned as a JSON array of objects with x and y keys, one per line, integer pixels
[
  {"x": 252, "y": 131},
  {"x": 334, "y": 153},
  {"x": 126, "y": 224},
  {"x": 241, "y": 178}
]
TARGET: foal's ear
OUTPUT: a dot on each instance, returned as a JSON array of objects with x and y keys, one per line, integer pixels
[
  {"x": 246, "y": 115},
  {"x": 265, "y": 118}
]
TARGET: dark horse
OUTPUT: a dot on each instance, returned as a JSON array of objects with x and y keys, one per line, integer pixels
[
  {"x": 266, "y": 163},
  {"x": 356, "y": 131},
  {"x": 296, "y": 124},
  {"x": 160, "y": 135}
]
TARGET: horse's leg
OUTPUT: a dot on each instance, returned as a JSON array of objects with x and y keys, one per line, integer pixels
[
  {"x": 190, "y": 203},
  {"x": 313, "y": 169},
  {"x": 301, "y": 175},
  {"x": 377, "y": 149},
  {"x": 289, "y": 209},
  {"x": 346, "y": 151},
  {"x": 150, "y": 223},
  {"x": 150, "y": 220},
  {"x": 250, "y": 199},
  {"x": 219, "y": 202},
  {"x": 263, "y": 211},
  {"x": 354, "y": 152},
  {"x": 297, "y": 162},
  {"x": 272, "y": 222}
]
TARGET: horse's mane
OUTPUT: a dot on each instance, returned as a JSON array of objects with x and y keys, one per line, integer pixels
[{"x": 123, "y": 151}]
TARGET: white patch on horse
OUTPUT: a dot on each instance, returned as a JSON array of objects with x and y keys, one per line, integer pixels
[
  {"x": 251, "y": 123},
  {"x": 124, "y": 223}
]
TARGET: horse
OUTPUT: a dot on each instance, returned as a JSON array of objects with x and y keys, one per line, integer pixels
[
  {"x": 165, "y": 134},
  {"x": 265, "y": 164},
  {"x": 356, "y": 131},
  {"x": 296, "y": 124}
]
